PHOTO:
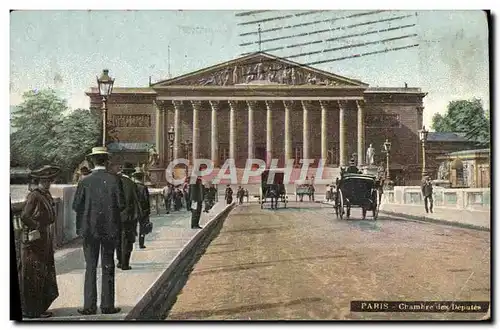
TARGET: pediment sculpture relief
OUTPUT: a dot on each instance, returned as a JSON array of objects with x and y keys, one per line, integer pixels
[{"x": 272, "y": 72}]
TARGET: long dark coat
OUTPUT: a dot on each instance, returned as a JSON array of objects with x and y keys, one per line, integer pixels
[
  {"x": 133, "y": 212},
  {"x": 38, "y": 281},
  {"x": 98, "y": 203},
  {"x": 144, "y": 202}
]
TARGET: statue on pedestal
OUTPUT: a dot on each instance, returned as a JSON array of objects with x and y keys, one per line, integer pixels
[
  {"x": 443, "y": 173},
  {"x": 370, "y": 155},
  {"x": 153, "y": 157}
]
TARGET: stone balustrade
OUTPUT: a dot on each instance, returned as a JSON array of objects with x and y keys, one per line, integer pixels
[
  {"x": 64, "y": 229},
  {"x": 465, "y": 199}
]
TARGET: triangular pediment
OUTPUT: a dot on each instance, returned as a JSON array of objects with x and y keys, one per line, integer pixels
[{"x": 259, "y": 68}]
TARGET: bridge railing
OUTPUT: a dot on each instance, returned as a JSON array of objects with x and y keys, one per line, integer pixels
[
  {"x": 466, "y": 199},
  {"x": 64, "y": 228}
]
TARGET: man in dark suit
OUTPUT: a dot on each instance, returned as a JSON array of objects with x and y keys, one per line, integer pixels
[
  {"x": 427, "y": 193},
  {"x": 196, "y": 195},
  {"x": 98, "y": 201},
  {"x": 144, "y": 224},
  {"x": 130, "y": 217}
]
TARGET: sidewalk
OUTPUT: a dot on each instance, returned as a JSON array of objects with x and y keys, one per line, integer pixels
[
  {"x": 479, "y": 220},
  {"x": 462, "y": 218},
  {"x": 170, "y": 238}
]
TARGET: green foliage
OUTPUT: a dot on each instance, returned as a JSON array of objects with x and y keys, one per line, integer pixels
[
  {"x": 46, "y": 135},
  {"x": 465, "y": 116}
]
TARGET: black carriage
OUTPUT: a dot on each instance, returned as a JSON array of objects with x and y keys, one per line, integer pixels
[
  {"x": 357, "y": 190},
  {"x": 274, "y": 192}
]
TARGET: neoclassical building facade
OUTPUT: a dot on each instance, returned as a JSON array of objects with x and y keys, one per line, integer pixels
[{"x": 262, "y": 106}]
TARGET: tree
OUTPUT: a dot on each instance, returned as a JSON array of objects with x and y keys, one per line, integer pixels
[
  {"x": 44, "y": 135},
  {"x": 465, "y": 116},
  {"x": 36, "y": 120}
]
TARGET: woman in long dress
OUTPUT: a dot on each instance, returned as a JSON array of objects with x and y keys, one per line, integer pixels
[{"x": 38, "y": 282}]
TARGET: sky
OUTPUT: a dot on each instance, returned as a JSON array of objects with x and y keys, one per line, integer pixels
[{"x": 65, "y": 50}]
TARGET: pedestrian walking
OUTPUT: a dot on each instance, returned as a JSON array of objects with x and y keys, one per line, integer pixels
[
  {"x": 228, "y": 195},
  {"x": 209, "y": 197},
  {"x": 427, "y": 193},
  {"x": 240, "y": 193},
  {"x": 99, "y": 198},
  {"x": 145, "y": 225},
  {"x": 178, "y": 199},
  {"x": 185, "y": 193},
  {"x": 37, "y": 275},
  {"x": 130, "y": 217},
  {"x": 196, "y": 197},
  {"x": 168, "y": 194}
]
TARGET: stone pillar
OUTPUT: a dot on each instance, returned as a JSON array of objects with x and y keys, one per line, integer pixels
[
  {"x": 324, "y": 133},
  {"x": 214, "y": 144},
  {"x": 251, "y": 106},
  {"x": 196, "y": 130},
  {"x": 164, "y": 154},
  {"x": 269, "y": 134},
  {"x": 305, "y": 129},
  {"x": 159, "y": 134},
  {"x": 361, "y": 132},
  {"x": 232, "y": 129},
  {"x": 288, "y": 131},
  {"x": 177, "y": 119},
  {"x": 342, "y": 133}
]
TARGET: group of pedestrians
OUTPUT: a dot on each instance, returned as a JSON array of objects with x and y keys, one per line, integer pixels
[
  {"x": 179, "y": 196},
  {"x": 110, "y": 204}
]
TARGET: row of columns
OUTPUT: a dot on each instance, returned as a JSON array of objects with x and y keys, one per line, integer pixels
[{"x": 160, "y": 134}]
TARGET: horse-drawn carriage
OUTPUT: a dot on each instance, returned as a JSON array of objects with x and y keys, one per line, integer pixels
[
  {"x": 275, "y": 191},
  {"x": 304, "y": 189},
  {"x": 357, "y": 190}
]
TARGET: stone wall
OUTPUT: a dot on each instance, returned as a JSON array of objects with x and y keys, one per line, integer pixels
[{"x": 465, "y": 199}]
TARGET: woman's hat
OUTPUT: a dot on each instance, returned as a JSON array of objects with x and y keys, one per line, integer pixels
[
  {"x": 99, "y": 151},
  {"x": 46, "y": 172}
]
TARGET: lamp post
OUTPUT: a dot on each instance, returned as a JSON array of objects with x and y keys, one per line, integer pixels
[
  {"x": 187, "y": 145},
  {"x": 105, "y": 86},
  {"x": 423, "y": 133},
  {"x": 171, "y": 137},
  {"x": 387, "y": 150}
]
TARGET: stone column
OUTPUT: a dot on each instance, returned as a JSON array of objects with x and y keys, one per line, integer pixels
[
  {"x": 214, "y": 144},
  {"x": 159, "y": 134},
  {"x": 305, "y": 129},
  {"x": 177, "y": 119},
  {"x": 269, "y": 133},
  {"x": 361, "y": 132},
  {"x": 196, "y": 130},
  {"x": 342, "y": 133},
  {"x": 251, "y": 106},
  {"x": 232, "y": 129},
  {"x": 324, "y": 133},
  {"x": 288, "y": 131}
]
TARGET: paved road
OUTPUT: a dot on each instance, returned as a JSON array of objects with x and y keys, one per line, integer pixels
[{"x": 303, "y": 263}]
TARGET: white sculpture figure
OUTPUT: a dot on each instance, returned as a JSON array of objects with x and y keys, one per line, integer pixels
[{"x": 370, "y": 155}]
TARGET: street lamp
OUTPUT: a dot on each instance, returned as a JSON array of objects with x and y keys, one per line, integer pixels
[
  {"x": 423, "y": 133},
  {"x": 105, "y": 86},
  {"x": 171, "y": 137},
  {"x": 387, "y": 149}
]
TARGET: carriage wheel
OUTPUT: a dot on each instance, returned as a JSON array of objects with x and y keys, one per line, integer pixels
[
  {"x": 375, "y": 206},
  {"x": 340, "y": 205}
]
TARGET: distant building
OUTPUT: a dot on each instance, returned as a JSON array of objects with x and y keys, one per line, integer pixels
[
  {"x": 262, "y": 106},
  {"x": 440, "y": 144},
  {"x": 468, "y": 168}
]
